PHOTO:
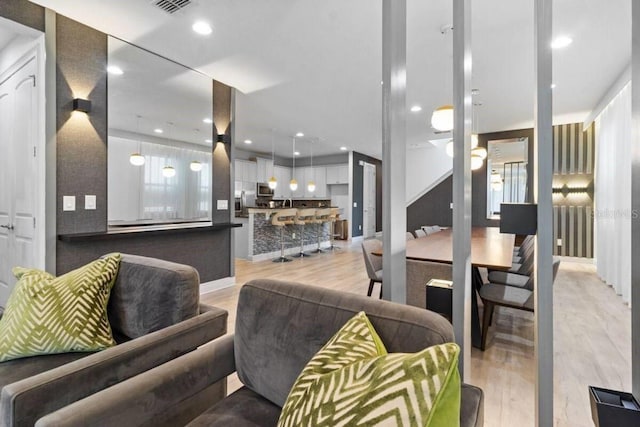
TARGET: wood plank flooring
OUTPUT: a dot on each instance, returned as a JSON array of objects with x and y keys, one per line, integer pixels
[{"x": 592, "y": 328}]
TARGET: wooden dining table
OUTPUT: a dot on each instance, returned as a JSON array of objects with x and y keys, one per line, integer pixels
[{"x": 489, "y": 248}]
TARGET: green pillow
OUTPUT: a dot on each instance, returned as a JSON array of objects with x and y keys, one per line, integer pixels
[
  {"x": 353, "y": 381},
  {"x": 46, "y": 315}
]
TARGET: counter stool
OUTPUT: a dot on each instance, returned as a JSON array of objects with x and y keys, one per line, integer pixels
[
  {"x": 281, "y": 219},
  {"x": 304, "y": 217},
  {"x": 333, "y": 217},
  {"x": 322, "y": 217}
]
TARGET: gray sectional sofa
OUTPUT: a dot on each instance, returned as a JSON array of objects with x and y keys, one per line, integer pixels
[
  {"x": 155, "y": 315},
  {"x": 279, "y": 327}
]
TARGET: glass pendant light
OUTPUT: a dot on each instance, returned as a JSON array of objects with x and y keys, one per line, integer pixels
[
  {"x": 293, "y": 184},
  {"x": 273, "y": 182},
  {"x": 168, "y": 171},
  {"x": 311, "y": 185},
  {"x": 442, "y": 118},
  {"x": 137, "y": 159},
  {"x": 195, "y": 166},
  {"x": 476, "y": 162}
]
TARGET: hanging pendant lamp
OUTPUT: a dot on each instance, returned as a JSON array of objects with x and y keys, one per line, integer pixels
[
  {"x": 311, "y": 185},
  {"x": 442, "y": 118},
  {"x": 137, "y": 159},
  {"x": 293, "y": 184},
  {"x": 273, "y": 182}
]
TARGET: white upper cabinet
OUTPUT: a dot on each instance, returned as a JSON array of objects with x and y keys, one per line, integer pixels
[
  {"x": 283, "y": 176},
  {"x": 265, "y": 169},
  {"x": 245, "y": 171},
  {"x": 338, "y": 174},
  {"x": 318, "y": 175}
]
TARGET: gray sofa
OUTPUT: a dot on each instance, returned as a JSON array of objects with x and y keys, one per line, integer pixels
[
  {"x": 279, "y": 327},
  {"x": 155, "y": 316}
]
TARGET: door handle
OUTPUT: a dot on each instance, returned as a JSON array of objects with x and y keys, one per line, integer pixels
[{"x": 8, "y": 226}]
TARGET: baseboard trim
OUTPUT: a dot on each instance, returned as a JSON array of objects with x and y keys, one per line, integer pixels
[{"x": 216, "y": 285}]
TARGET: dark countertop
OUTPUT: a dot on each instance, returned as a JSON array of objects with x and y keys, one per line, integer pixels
[{"x": 124, "y": 232}]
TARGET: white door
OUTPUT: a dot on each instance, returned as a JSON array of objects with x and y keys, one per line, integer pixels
[
  {"x": 19, "y": 189},
  {"x": 369, "y": 201}
]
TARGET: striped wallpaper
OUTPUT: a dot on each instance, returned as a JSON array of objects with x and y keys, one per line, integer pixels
[{"x": 573, "y": 166}]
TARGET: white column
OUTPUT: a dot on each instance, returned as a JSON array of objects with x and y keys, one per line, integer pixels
[
  {"x": 394, "y": 88},
  {"x": 635, "y": 199},
  {"x": 462, "y": 291},
  {"x": 543, "y": 175}
]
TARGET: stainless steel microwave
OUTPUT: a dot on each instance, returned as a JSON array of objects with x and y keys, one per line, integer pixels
[{"x": 263, "y": 190}]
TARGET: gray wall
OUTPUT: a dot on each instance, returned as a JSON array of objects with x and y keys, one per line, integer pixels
[
  {"x": 23, "y": 12},
  {"x": 432, "y": 208}
]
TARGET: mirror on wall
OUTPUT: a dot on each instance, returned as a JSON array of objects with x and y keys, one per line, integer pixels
[
  {"x": 159, "y": 139},
  {"x": 506, "y": 173}
]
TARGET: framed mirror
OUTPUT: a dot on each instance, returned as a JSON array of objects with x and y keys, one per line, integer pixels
[
  {"x": 159, "y": 139},
  {"x": 506, "y": 173}
]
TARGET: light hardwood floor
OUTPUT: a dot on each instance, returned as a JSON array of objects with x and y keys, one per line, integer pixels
[{"x": 592, "y": 330}]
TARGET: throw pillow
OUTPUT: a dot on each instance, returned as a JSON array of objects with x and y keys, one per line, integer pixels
[
  {"x": 352, "y": 382},
  {"x": 46, "y": 315}
]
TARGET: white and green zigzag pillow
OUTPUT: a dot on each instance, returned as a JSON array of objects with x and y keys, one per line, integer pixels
[
  {"x": 352, "y": 381},
  {"x": 46, "y": 315}
]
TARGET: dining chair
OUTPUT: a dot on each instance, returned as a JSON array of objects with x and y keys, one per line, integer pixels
[
  {"x": 373, "y": 263},
  {"x": 420, "y": 233},
  {"x": 495, "y": 294},
  {"x": 410, "y": 236}
]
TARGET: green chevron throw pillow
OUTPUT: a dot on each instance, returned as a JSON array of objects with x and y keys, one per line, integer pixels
[
  {"x": 46, "y": 315},
  {"x": 352, "y": 381}
]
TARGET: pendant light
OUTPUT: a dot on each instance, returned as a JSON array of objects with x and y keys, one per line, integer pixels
[
  {"x": 195, "y": 166},
  {"x": 442, "y": 117},
  {"x": 137, "y": 159},
  {"x": 311, "y": 185},
  {"x": 169, "y": 171},
  {"x": 475, "y": 124},
  {"x": 293, "y": 184},
  {"x": 273, "y": 182}
]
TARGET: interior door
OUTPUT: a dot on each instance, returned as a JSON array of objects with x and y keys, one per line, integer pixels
[
  {"x": 369, "y": 201},
  {"x": 19, "y": 174}
]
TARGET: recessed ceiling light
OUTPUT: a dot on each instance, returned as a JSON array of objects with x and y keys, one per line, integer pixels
[
  {"x": 560, "y": 42},
  {"x": 299, "y": 134},
  {"x": 553, "y": 85},
  {"x": 208, "y": 141},
  {"x": 201, "y": 28},
  {"x": 416, "y": 108},
  {"x": 207, "y": 120},
  {"x": 158, "y": 130},
  {"x": 115, "y": 70},
  {"x": 248, "y": 141},
  {"x": 343, "y": 148},
  {"x": 296, "y": 153}
]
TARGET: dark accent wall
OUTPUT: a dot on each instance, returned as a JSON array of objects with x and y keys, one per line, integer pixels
[
  {"x": 23, "y": 12},
  {"x": 81, "y": 138},
  {"x": 432, "y": 208},
  {"x": 358, "y": 178}
]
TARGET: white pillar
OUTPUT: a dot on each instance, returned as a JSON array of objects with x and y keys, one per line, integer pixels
[
  {"x": 543, "y": 175},
  {"x": 635, "y": 199},
  {"x": 462, "y": 291},
  {"x": 394, "y": 88}
]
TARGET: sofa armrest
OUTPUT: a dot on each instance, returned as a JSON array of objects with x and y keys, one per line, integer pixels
[
  {"x": 23, "y": 402},
  {"x": 144, "y": 399}
]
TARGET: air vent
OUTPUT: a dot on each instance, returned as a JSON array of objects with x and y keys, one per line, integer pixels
[{"x": 171, "y": 6}]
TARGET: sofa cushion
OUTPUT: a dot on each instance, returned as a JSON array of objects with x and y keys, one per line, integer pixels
[
  {"x": 151, "y": 294},
  {"x": 47, "y": 315},
  {"x": 287, "y": 323},
  {"x": 243, "y": 408},
  {"x": 353, "y": 381}
]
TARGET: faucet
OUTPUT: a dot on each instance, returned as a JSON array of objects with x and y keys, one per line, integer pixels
[{"x": 290, "y": 202}]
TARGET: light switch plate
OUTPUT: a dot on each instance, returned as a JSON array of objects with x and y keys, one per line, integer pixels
[
  {"x": 223, "y": 205},
  {"x": 355, "y": 204},
  {"x": 89, "y": 202},
  {"x": 450, "y": 205},
  {"x": 559, "y": 242},
  {"x": 68, "y": 203}
]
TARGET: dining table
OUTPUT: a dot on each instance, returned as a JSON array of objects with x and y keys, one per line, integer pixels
[{"x": 489, "y": 249}]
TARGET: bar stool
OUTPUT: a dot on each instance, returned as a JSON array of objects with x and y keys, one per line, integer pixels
[
  {"x": 281, "y": 219},
  {"x": 333, "y": 217},
  {"x": 304, "y": 217},
  {"x": 322, "y": 217}
]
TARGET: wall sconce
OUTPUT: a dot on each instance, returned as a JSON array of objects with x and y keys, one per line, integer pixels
[
  {"x": 565, "y": 190},
  {"x": 221, "y": 138},
  {"x": 83, "y": 105}
]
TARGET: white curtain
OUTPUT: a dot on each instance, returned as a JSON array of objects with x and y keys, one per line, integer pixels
[
  {"x": 144, "y": 193},
  {"x": 613, "y": 194}
]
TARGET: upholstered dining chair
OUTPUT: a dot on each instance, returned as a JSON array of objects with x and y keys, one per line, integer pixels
[
  {"x": 419, "y": 233},
  {"x": 495, "y": 294},
  {"x": 373, "y": 263},
  {"x": 410, "y": 236}
]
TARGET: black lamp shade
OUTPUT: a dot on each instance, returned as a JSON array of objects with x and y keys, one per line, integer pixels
[
  {"x": 83, "y": 105},
  {"x": 518, "y": 218}
]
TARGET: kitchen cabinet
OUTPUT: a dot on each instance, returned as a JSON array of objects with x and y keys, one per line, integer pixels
[
  {"x": 283, "y": 176},
  {"x": 337, "y": 174},
  {"x": 317, "y": 174},
  {"x": 245, "y": 171},
  {"x": 264, "y": 169},
  {"x": 299, "y": 175}
]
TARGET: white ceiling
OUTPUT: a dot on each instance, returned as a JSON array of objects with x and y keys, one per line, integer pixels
[
  {"x": 6, "y": 35},
  {"x": 315, "y": 66}
]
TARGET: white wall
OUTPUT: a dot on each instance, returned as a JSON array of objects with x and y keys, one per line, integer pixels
[
  {"x": 16, "y": 48},
  {"x": 426, "y": 167}
]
